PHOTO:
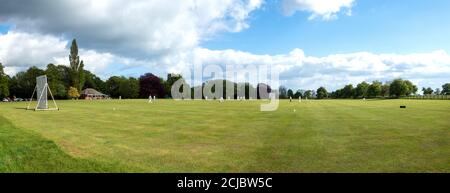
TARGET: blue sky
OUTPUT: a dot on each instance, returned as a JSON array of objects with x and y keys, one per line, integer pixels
[
  {"x": 381, "y": 26},
  {"x": 4, "y": 28},
  {"x": 313, "y": 42}
]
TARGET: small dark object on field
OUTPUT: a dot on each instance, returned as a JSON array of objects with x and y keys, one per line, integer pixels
[{"x": 403, "y": 107}]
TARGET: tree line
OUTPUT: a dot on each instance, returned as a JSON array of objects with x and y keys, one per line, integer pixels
[
  {"x": 61, "y": 81},
  {"x": 393, "y": 89},
  {"x": 63, "y": 86}
]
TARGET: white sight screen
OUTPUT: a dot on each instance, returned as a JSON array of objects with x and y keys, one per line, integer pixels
[{"x": 41, "y": 81}]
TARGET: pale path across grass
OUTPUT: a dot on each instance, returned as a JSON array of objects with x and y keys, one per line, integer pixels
[{"x": 208, "y": 136}]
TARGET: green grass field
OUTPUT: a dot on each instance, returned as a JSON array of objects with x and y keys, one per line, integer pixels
[{"x": 200, "y": 136}]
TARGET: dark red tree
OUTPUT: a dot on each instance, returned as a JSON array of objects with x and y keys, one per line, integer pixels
[{"x": 149, "y": 84}]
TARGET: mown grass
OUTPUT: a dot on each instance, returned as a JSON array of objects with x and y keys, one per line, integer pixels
[
  {"x": 200, "y": 136},
  {"x": 24, "y": 151}
]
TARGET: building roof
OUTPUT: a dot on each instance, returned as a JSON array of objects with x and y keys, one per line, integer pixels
[{"x": 91, "y": 91}]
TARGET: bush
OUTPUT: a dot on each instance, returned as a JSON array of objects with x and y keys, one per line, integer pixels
[{"x": 73, "y": 93}]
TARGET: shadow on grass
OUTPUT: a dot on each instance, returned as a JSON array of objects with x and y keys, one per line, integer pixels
[{"x": 26, "y": 151}]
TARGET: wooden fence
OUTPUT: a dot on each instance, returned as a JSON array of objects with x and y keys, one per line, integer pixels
[{"x": 429, "y": 97}]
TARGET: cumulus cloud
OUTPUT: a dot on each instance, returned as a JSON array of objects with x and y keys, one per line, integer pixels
[
  {"x": 19, "y": 50},
  {"x": 138, "y": 28},
  {"x": 23, "y": 49},
  {"x": 334, "y": 71},
  {"x": 325, "y": 9}
]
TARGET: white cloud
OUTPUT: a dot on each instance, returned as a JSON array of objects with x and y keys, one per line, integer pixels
[
  {"x": 23, "y": 49},
  {"x": 19, "y": 51},
  {"x": 333, "y": 71},
  {"x": 138, "y": 28},
  {"x": 325, "y": 9}
]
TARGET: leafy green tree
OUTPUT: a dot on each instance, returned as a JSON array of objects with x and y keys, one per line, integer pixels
[
  {"x": 374, "y": 89},
  {"x": 427, "y": 91},
  {"x": 308, "y": 94},
  {"x": 60, "y": 91},
  {"x": 55, "y": 78},
  {"x": 437, "y": 91},
  {"x": 348, "y": 91},
  {"x": 60, "y": 73},
  {"x": 290, "y": 93},
  {"x": 399, "y": 88},
  {"x": 124, "y": 87},
  {"x": 336, "y": 94},
  {"x": 4, "y": 83},
  {"x": 361, "y": 90},
  {"x": 385, "y": 90},
  {"x": 446, "y": 89},
  {"x": 322, "y": 93},
  {"x": 298, "y": 94},
  {"x": 129, "y": 88},
  {"x": 113, "y": 85},
  {"x": 171, "y": 79},
  {"x": 76, "y": 67},
  {"x": 23, "y": 83},
  {"x": 93, "y": 81},
  {"x": 412, "y": 89}
]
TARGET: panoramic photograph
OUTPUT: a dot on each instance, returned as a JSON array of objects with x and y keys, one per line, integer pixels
[{"x": 224, "y": 86}]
